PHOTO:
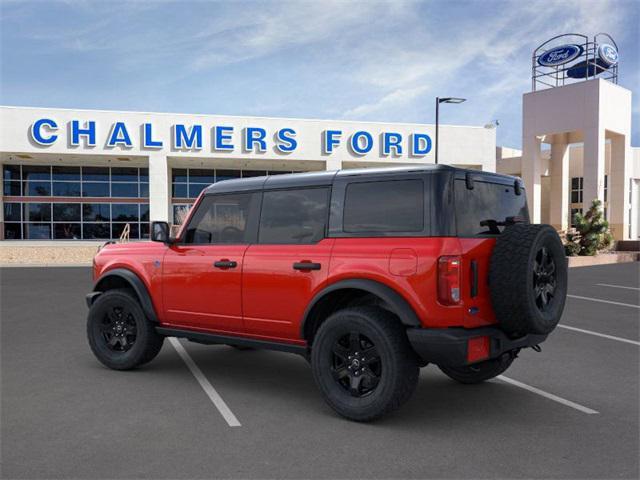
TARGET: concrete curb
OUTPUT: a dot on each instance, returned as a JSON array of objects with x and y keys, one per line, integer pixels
[{"x": 604, "y": 259}]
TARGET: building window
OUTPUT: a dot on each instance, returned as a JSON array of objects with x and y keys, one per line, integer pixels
[
  {"x": 576, "y": 189},
  {"x": 188, "y": 183},
  {"x": 65, "y": 214}
]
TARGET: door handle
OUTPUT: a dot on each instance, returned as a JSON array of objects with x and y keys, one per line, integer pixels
[
  {"x": 306, "y": 266},
  {"x": 225, "y": 264}
]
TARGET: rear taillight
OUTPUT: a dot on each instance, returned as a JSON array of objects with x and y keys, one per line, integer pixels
[{"x": 449, "y": 280}]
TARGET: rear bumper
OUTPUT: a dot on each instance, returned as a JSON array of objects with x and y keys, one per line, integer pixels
[{"x": 448, "y": 346}]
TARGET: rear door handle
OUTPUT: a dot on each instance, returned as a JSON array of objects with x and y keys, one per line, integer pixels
[
  {"x": 306, "y": 266},
  {"x": 225, "y": 264}
]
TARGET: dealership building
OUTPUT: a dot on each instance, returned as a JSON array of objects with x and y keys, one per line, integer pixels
[
  {"x": 85, "y": 174},
  {"x": 92, "y": 175}
]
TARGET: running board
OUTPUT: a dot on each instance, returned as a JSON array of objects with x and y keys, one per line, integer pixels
[{"x": 214, "y": 339}]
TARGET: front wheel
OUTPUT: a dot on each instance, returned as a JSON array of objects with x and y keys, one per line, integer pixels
[
  {"x": 363, "y": 364},
  {"x": 120, "y": 335},
  {"x": 479, "y": 372}
]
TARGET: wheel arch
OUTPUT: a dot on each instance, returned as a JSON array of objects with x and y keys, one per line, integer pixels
[
  {"x": 343, "y": 293},
  {"x": 124, "y": 278}
]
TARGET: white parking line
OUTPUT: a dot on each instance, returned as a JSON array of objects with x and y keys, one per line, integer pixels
[
  {"x": 548, "y": 395},
  {"x": 610, "y": 337},
  {"x": 616, "y": 286},
  {"x": 217, "y": 400},
  {"x": 604, "y": 301}
]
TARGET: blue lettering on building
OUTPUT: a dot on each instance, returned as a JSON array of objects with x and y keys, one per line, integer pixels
[
  {"x": 147, "y": 137},
  {"x": 390, "y": 141},
  {"x": 89, "y": 132},
  {"x": 420, "y": 144},
  {"x": 255, "y": 136},
  {"x": 222, "y": 137},
  {"x": 37, "y": 134},
  {"x": 330, "y": 139},
  {"x": 119, "y": 136},
  {"x": 286, "y": 141},
  {"x": 361, "y": 142},
  {"x": 184, "y": 138}
]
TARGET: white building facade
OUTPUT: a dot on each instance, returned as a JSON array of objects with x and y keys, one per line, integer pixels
[{"x": 86, "y": 174}]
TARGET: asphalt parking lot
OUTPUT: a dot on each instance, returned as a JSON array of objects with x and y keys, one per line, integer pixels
[{"x": 568, "y": 412}]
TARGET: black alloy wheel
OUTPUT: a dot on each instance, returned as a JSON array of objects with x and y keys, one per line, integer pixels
[
  {"x": 119, "y": 329},
  {"x": 356, "y": 364},
  {"x": 119, "y": 333},
  {"x": 363, "y": 363},
  {"x": 544, "y": 278}
]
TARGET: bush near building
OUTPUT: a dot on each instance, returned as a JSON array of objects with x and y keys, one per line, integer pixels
[{"x": 591, "y": 234}]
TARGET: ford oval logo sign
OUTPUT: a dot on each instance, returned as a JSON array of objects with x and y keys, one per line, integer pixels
[
  {"x": 608, "y": 54},
  {"x": 560, "y": 55}
]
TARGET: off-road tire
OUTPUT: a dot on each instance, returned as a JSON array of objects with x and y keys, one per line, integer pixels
[
  {"x": 479, "y": 372},
  {"x": 512, "y": 279},
  {"x": 147, "y": 343},
  {"x": 398, "y": 365}
]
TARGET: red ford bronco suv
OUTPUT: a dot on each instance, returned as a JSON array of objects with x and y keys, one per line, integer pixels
[{"x": 369, "y": 274}]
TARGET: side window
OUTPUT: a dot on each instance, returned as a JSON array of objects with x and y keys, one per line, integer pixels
[
  {"x": 221, "y": 219},
  {"x": 385, "y": 206},
  {"x": 294, "y": 216}
]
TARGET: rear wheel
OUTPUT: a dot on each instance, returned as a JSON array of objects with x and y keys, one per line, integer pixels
[
  {"x": 363, "y": 363},
  {"x": 120, "y": 335},
  {"x": 479, "y": 372}
]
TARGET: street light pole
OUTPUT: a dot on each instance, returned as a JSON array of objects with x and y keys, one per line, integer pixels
[
  {"x": 437, "y": 125},
  {"x": 438, "y": 102}
]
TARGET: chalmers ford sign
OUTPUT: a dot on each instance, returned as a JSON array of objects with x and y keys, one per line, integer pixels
[{"x": 46, "y": 132}]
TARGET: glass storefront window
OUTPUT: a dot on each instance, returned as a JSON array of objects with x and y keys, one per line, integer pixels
[
  {"x": 124, "y": 190},
  {"x": 12, "y": 188},
  {"x": 12, "y": 212},
  {"x": 66, "y": 189},
  {"x": 95, "y": 189},
  {"x": 12, "y": 231},
  {"x": 70, "y": 231},
  {"x": 66, "y": 212},
  {"x": 37, "y": 189},
  {"x": 96, "y": 231},
  {"x": 96, "y": 212},
  {"x": 95, "y": 174},
  {"x": 36, "y": 172},
  {"x": 37, "y": 212},
  {"x": 124, "y": 212},
  {"x": 37, "y": 231},
  {"x": 66, "y": 173},
  {"x": 91, "y": 221}
]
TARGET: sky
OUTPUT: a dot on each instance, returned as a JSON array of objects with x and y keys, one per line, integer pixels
[{"x": 364, "y": 60}]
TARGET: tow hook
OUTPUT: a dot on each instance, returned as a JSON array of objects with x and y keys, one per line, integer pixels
[{"x": 536, "y": 348}]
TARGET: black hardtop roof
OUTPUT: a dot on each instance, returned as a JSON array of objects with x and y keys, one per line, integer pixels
[{"x": 310, "y": 179}]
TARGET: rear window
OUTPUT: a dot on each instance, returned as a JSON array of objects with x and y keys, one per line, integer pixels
[
  {"x": 387, "y": 206},
  {"x": 486, "y": 201}
]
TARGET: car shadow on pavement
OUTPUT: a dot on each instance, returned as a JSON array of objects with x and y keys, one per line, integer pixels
[{"x": 274, "y": 382}]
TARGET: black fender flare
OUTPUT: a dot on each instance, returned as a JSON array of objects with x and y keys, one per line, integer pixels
[
  {"x": 396, "y": 302},
  {"x": 136, "y": 284}
]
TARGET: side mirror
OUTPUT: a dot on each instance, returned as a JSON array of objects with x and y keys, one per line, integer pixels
[{"x": 160, "y": 232}]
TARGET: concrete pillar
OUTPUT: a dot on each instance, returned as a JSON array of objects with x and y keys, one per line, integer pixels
[
  {"x": 531, "y": 173},
  {"x": 593, "y": 166},
  {"x": 159, "y": 187},
  {"x": 559, "y": 168},
  {"x": 618, "y": 188}
]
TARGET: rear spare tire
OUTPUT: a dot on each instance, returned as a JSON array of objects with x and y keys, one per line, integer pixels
[{"x": 528, "y": 279}]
